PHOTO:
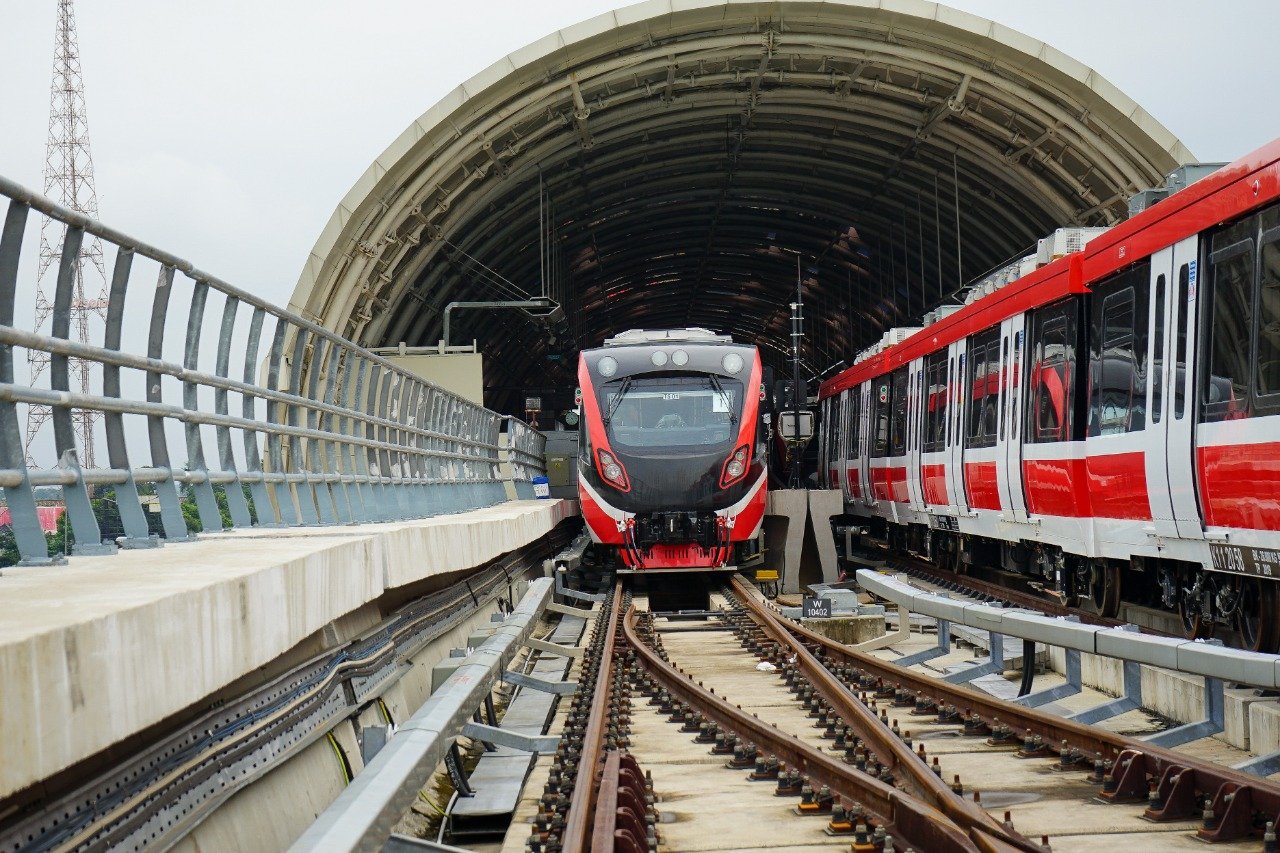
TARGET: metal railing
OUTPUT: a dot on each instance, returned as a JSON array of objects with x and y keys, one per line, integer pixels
[
  {"x": 327, "y": 431},
  {"x": 527, "y": 453}
]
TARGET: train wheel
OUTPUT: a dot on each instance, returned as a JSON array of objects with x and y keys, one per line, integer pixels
[
  {"x": 1257, "y": 618},
  {"x": 1195, "y": 624},
  {"x": 1104, "y": 588}
]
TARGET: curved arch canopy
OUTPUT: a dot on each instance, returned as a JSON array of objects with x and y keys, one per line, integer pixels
[{"x": 676, "y": 164}]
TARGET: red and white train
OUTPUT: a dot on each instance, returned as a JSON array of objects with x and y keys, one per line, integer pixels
[
  {"x": 672, "y": 453},
  {"x": 1108, "y": 421}
]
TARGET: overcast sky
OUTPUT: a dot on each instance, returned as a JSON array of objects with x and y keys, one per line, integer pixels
[{"x": 227, "y": 131}]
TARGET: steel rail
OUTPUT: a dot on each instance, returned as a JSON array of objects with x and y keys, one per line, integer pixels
[
  {"x": 918, "y": 822},
  {"x": 1134, "y": 762},
  {"x": 582, "y": 807},
  {"x": 889, "y": 748}
]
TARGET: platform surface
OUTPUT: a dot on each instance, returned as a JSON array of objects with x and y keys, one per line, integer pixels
[{"x": 99, "y": 649}]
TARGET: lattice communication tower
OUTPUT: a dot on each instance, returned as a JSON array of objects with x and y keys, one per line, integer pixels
[{"x": 68, "y": 178}]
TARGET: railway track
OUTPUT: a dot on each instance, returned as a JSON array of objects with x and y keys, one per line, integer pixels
[{"x": 842, "y": 746}]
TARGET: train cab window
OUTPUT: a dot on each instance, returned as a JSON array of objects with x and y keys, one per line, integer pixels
[
  {"x": 1118, "y": 353},
  {"x": 935, "y": 403},
  {"x": 1051, "y": 365},
  {"x": 1228, "y": 322},
  {"x": 880, "y": 394},
  {"x": 898, "y": 420},
  {"x": 984, "y": 389}
]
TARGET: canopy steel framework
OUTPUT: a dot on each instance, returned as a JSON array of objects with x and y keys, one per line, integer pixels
[{"x": 676, "y": 157}]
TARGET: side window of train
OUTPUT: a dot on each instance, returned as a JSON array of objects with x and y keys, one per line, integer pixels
[
  {"x": 1228, "y": 322},
  {"x": 880, "y": 394},
  {"x": 984, "y": 389},
  {"x": 855, "y": 428},
  {"x": 833, "y": 437},
  {"x": 1267, "y": 379},
  {"x": 898, "y": 420},
  {"x": 1051, "y": 366},
  {"x": 1118, "y": 372},
  {"x": 935, "y": 403},
  {"x": 1180, "y": 342}
]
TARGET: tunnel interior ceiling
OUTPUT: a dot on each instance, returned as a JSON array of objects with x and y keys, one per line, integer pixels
[{"x": 658, "y": 168}]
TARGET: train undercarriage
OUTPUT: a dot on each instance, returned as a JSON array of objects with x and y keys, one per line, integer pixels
[{"x": 1239, "y": 609}]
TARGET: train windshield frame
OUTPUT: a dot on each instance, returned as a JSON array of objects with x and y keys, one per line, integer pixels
[{"x": 653, "y": 411}]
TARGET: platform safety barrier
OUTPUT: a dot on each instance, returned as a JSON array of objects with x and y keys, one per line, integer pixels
[
  {"x": 1216, "y": 663},
  {"x": 363, "y": 815},
  {"x": 323, "y": 431}
]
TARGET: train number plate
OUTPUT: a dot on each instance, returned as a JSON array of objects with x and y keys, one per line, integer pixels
[
  {"x": 945, "y": 522},
  {"x": 1264, "y": 562}
]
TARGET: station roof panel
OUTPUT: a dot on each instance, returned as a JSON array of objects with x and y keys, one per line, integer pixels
[{"x": 696, "y": 163}]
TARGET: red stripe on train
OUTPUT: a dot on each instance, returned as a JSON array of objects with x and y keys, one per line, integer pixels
[
  {"x": 1057, "y": 487},
  {"x": 1117, "y": 486},
  {"x": 889, "y": 484},
  {"x": 934, "y": 480},
  {"x": 1240, "y": 485},
  {"x": 980, "y": 483}
]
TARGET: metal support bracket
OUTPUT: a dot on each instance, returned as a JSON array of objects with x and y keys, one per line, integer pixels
[
  {"x": 995, "y": 662},
  {"x": 560, "y": 688},
  {"x": 943, "y": 647},
  {"x": 408, "y": 844},
  {"x": 554, "y": 648},
  {"x": 1260, "y": 765},
  {"x": 1214, "y": 720},
  {"x": 1131, "y": 699},
  {"x": 566, "y": 610},
  {"x": 561, "y": 589},
  {"x": 515, "y": 740}
]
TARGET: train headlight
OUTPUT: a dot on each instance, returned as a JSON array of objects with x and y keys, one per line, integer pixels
[
  {"x": 659, "y": 358},
  {"x": 607, "y": 365},
  {"x": 679, "y": 358},
  {"x": 612, "y": 471},
  {"x": 735, "y": 467},
  {"x": 732, "y": 362}
]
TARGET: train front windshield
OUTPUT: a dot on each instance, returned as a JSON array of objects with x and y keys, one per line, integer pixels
[{"x": 671, "y": 410}]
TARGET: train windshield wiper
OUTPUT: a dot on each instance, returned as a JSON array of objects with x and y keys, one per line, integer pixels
[
  {"x": 728, "y": 403},
  {"x": 617, "y": 401}
]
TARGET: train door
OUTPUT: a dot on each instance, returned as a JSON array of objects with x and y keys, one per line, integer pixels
[
  {"x": 840, "y": 451},
  {"x": 1157, "y": 446},
  {"x": 916, "y": 402},
  {"x": 850, "y": 452},
  {"x": 1177, "y": 512},
  {"x": 955, "y": 424},
  {"x": 1009, "y": 432},
  {"x": 867, "y": 433}
]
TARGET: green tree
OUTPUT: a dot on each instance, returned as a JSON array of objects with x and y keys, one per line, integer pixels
[{"x": 9, "y": 555}]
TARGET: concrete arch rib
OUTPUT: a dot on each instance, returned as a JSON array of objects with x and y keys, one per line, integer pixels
[{"x": 681, "y": 143}]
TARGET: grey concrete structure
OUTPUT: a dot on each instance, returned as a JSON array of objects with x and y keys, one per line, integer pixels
[{"x": 105, "y": 647}]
